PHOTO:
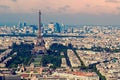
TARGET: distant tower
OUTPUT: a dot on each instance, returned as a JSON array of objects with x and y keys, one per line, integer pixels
[
  {"x": 20, "y": 25},
  {"x": 51, "y": 26},
  {"x": 39, "y": 47},
  {"x": 39, "y": 25},
  {"x": 57, "y": 28}
]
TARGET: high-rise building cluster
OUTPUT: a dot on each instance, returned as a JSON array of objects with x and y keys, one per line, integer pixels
[{"x": 23, "y": 28}]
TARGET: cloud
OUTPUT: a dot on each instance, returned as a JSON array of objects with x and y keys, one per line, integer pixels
[
  {"x": 48, "y": 8},
  {"x": 88, "y": 5},
  {"x": 64, "y": 8},
  {"x": 61, "y": 6},
  {"x": 14, "y": 0},
  {"x": 112, "y": 1},
  {"x": 4, "y": 7},
  {"x": 118, "y": 8}
]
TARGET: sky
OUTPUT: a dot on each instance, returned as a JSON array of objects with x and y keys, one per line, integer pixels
[{"x": 73, "y": 12}]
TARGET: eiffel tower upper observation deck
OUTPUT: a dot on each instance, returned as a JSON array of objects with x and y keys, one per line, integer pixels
[{"x": 39, "y": 47}]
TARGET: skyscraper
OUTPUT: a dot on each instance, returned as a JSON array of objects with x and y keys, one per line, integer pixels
[
  {"x": 57, "y": 28},
  {"x": 39, "y": 47}
]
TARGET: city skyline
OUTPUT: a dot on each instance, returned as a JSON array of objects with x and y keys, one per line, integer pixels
[
  {"x": 76, "y": 12},
  {"x": 59, "y": 40}
]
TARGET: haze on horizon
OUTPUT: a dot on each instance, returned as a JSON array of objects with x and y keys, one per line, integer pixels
[{"x": 78, "y": 12}]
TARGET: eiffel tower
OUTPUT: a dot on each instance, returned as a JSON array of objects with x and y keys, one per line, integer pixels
[{"x": 39, "y": 47}]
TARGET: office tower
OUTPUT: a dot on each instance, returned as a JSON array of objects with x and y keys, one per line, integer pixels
[
  {"x": 57, "y": 28},
  {"x": 51, "y": 26}
]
